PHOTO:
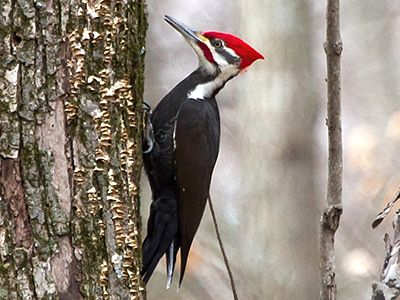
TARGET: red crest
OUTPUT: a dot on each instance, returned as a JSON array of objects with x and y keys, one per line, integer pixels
[{"x": 241, "y": 48}]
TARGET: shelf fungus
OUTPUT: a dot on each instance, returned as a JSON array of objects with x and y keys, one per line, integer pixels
[
  {"x": 131, "y": 117},
  {"x": 132, "y": 240},
  {"x": 93, "y": 200},
  {"x": 76, "y": 71},
  {"x": 124, "y": 134},
  {"x": 101, "y": 156},
  {"x": 91, "y": 11},
  {"x": 79, "y": 176},
  {"x": 103, "y": 278},
  {"x": 70, "y": 110},
  {"x": 117, "y": 208},
  {"x": 98, "y": 169},
  {"x": 93, "y": 79},
  {"x": 85, "y": 36},
  {"x": 102, "y": 227},
  {"x": 97, "y": 37},
  {"x": 80, "y": 12},
  {"x": 123, "y": 154}
]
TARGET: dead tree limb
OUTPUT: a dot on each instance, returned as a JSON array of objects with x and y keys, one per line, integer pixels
[
  {"x": 389, "y": 285},
  {"x": 330, "y": 219}
]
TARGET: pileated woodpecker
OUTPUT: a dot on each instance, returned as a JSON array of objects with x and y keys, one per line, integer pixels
[{"x": 181, "y": 146}]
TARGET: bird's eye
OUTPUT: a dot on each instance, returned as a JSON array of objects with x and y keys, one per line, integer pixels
[{"x": 217, "y": 44}]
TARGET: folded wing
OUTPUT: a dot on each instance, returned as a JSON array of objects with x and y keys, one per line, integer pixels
[{"x": 196, "y": 140}]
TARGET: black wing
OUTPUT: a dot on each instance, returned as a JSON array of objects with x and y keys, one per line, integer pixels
[{"x": 196, "y": 140}]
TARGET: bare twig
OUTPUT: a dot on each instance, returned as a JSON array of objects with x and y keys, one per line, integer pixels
[
  {"x": 221, "y": 246},
  {"x": 333, "y": 210}
]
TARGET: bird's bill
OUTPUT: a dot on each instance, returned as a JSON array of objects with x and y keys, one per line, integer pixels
[{"x": 190, "y": 34}]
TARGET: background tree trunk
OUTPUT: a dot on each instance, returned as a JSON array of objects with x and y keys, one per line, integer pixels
[
  {"x": 71, "y": 85},
  {"x": 280, "y": 106}
]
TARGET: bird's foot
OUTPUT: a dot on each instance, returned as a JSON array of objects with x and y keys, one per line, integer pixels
[
  {"x": 146, "y": 107},
  {"x": 148, "y": 133}
]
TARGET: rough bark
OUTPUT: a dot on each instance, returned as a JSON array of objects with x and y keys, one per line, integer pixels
[
  {"x": 333, "y": 209},
  {"x": 71, "y": 84}
]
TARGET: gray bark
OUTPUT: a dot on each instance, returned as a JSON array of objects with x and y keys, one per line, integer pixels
[{"x": 71, "y": 84}]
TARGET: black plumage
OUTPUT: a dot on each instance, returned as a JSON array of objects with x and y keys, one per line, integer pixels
[{"x": 179, "y": 168}]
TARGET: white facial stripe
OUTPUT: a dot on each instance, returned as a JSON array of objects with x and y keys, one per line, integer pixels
[
  {"x": 221, "y": 66},
  {"x": 220, "y": 59},
  {"x": 232, "y": 52},
  {"x": 203, "y": 62}
]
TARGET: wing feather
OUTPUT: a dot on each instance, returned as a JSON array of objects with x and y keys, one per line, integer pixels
[{"x": 197, "y": 134}]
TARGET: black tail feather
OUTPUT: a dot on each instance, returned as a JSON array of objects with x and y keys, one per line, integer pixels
[
  {"x": 163, "y": 231},
  {"x": 171, "y": 260},
  {"x": 153, "y": 250}
]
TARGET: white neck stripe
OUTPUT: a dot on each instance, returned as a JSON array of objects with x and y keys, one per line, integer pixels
[{"x": 206, "y": 90}]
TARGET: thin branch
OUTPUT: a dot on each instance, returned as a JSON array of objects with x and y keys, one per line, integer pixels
[
  {"x": 333, "y": 210},
  {"x": 221, "y": 246}
]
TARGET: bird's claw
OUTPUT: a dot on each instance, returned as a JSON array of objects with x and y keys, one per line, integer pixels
[
  {"x": 146, "y": 107},
  {"x": 148, "y": 133},
  {"x": 149, "y": 148}
]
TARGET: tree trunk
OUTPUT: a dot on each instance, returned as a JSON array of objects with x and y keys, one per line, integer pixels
[{"x": 71, "y": 85}]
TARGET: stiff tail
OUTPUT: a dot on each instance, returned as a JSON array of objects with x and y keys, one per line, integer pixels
[
  {"x": 151, "y": 257},
  {"x": 151, "y": 253},
  {"x": 161, "y": 236},
  {"x": 171, "y": 259}
]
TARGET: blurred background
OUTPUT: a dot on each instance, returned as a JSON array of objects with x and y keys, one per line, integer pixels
[{"x": 269, "y": 185}]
